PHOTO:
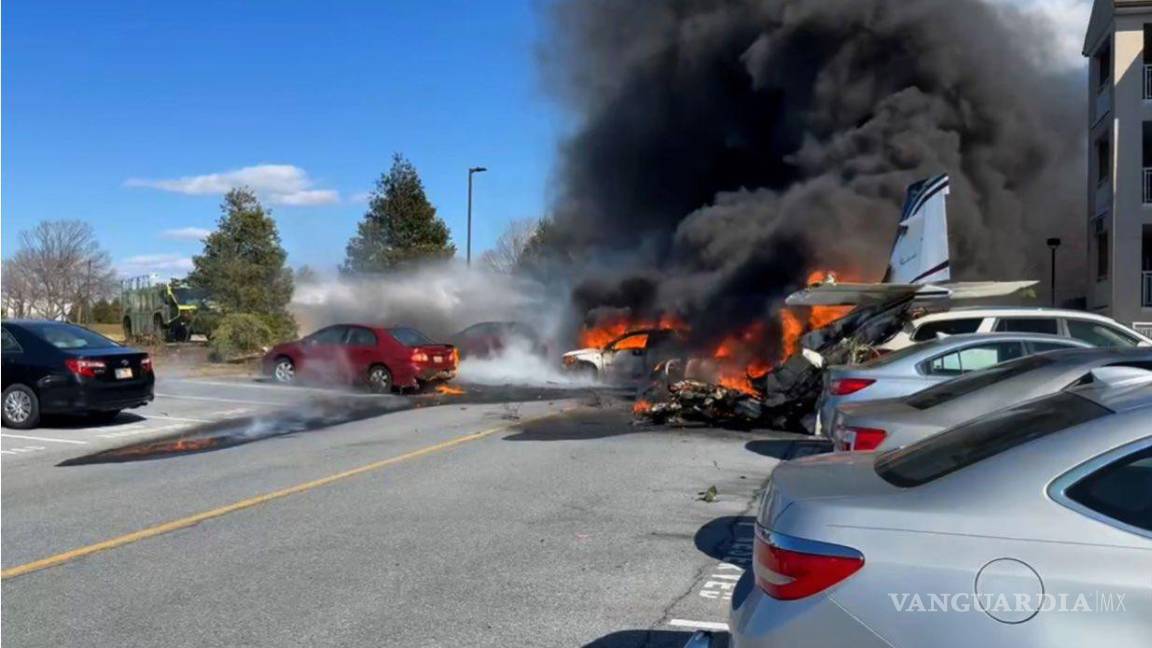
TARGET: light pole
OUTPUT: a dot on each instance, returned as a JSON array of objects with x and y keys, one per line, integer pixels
[
  {"x": 471, "y": 170},
  {"x": 1053, "y": 243}
]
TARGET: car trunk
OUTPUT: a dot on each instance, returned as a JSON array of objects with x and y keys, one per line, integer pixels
[
  {"x": 122, "y": 367},
  {"x": 441, "y": 357},
  {"x": 842, "y": 475}
]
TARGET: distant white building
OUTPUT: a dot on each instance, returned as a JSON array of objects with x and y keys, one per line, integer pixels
[{"x": 1119, "y": 220}]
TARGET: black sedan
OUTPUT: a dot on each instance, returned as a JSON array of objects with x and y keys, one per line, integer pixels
[{"x": 60, "y": 368}]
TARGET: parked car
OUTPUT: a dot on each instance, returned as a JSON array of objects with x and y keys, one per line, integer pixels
[
  {"x": 381, "y": 358},
  {"x": 61, "y": 368},
  {"x": 920, "y": 366},
  {"x": 627, "y": 359},
  {"x": 1097, "y": 330},
  {"x": 894, "y": 422},
  {"x": 993, "y": 533},
  {"x": 486, "y": 339}
]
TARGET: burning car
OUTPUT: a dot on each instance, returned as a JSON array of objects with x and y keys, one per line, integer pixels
[
  {"x": 629, "y": 358},
  {"x": 381, "y": 358}
]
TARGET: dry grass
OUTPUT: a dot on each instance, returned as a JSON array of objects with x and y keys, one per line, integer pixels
[{"x": 111, "y": 331}]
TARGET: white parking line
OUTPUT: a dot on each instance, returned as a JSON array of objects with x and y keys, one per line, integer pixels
[
  {"x": 38, "y": 438},
  {"x": 699, "y": 625},
  {"x": 143, "y": 430},
  {"x": 165, "y": 417},
  {"x": 281, "y": 388},
  {"x": 221, "y": 400}
]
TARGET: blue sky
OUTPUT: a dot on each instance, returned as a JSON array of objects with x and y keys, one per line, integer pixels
[
  {"x": 135, "y": 115},
  {"x": 113, "y": 111}
]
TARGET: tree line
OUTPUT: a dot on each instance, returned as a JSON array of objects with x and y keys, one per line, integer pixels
[{"x": 60, "y": 271}]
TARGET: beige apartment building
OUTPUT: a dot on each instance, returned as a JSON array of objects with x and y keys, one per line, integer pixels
[{"x": 1119, "y": 220}]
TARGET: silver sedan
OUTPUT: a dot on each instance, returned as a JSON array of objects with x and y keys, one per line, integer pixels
[
  {"x": 1030, "y": 526},
  {"x": 900, "y": 421},
  {"x": 909, "y": 370}
]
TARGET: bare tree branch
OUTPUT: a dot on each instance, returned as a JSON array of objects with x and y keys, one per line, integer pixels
[
  {"x": 505, "y": 255},
  {"x": 59, "y": 265}
]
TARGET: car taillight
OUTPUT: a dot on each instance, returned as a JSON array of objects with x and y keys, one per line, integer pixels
[
  {"x": 84, "y": 367},
  {"x": 419, "y": 356},
  {"x": 146, "y": 364},
  {"x": 788, "y": 573},
  {"x": 845, "y": 386},
  {"x": 858, "y": 439}
]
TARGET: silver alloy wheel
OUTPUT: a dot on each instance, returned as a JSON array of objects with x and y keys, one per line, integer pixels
[
  {"x": 17, "y": 406},
  {"x": 285, "y": 371},
  {"x": 379, "y": 379}
]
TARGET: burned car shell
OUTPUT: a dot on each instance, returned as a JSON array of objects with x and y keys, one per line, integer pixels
[{"x": 628, "y": 358}]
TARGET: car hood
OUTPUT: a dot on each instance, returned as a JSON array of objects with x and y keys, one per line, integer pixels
[{"x": 582, "y": 352}]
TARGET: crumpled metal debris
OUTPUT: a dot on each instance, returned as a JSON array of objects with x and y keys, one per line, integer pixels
[
  {"x": 787, "y": 394},
  {"x": 693, "y": 400}
]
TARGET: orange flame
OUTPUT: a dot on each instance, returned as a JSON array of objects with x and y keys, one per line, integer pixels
[
  {"x": 641, "y": 407},
  {"x": 749, "y": 354},
  {"x": 610, "y": 328},
  {"x": 449, "y": 390}
]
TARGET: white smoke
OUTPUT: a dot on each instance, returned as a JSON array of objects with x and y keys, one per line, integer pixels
[
  {"x": 441, "y": 300},
  {"x": 519, "y": 364}
]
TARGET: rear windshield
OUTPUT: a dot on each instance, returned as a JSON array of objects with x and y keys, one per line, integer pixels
[
  {"x": 68, "y": 336},
  {"x": 966, "y": 384},
  {"x": 895, "y": 356},
  {"x": 409, "y": 336},
  {"x": 987, "y": 436}
]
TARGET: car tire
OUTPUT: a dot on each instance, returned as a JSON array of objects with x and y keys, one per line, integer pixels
[
  {"x": 379, "y": 379},
  {"x": 284, "y": 370},
  {"x": 103, "y": 417},
  {"x": 21, "y": 408}
]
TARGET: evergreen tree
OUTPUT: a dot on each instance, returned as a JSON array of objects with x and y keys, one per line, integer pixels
[
  {"x": 400, "y": 226},
  {"x": 242, "y": 268}
]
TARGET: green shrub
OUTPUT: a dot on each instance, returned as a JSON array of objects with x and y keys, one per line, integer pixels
[{"x": 239, "y": 334}]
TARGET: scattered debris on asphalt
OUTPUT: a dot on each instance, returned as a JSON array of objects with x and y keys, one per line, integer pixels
[{"x": 708, "y": 495}]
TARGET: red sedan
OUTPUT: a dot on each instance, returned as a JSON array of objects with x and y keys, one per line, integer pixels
[{"x": 382, "y": 358}]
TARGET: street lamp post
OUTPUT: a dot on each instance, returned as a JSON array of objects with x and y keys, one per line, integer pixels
[
  {"x": 471, "y": 170},
  {"x": 1053, "y": 243}
]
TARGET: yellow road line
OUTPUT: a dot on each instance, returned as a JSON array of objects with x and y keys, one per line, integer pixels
[{"x": 182, "y": 523}]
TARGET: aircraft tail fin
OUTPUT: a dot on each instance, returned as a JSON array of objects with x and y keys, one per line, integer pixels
[{"x": 920, "y": 253}]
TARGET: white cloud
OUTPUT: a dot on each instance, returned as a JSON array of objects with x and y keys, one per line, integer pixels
[
  {"x": 186, "y": 233},
  {"x": 168, "y": 264},
  {"x": 280, "y": 184},
  {"x": 360, "y": 197}
]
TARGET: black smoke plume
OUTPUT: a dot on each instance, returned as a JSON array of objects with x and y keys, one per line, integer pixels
[{"x": 724, "y": 148}]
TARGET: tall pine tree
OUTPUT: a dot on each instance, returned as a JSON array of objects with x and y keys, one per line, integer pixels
[
  {"x": 242, "y": 267},
  {"x": 400, "y": 226}
]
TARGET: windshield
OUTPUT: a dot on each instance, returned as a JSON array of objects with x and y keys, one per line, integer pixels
[
  {"x": 68, "y": 336},
  {"x": 957, "y": 387},
  {"x": 985, "y": 437},
  {"x": 409, "y": 336},
  {"x": 188, "y": 296}
]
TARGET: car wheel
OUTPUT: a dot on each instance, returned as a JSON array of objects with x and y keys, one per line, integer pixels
[
  {"x": 21, "y": 408},
  {"x": 104, "y": 416},
  {"x": 379, "y": 379},
  {"x": 284, "y": 371}
]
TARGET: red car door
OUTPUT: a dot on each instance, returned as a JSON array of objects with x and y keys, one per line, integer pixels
[
  {"x": 321, "y": 354},
  {"x": 360, "y": 351}
]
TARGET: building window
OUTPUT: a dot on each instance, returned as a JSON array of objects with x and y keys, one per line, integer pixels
[
  {"x": 1148, "y": 161},
  {"x": 1103, "y": 66},
  {"x": 1102, "y": 250},
  {"x": 1103, "y": 159}
]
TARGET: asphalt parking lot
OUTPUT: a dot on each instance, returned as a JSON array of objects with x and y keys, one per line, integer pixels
[
  {"x": 546, "y": 521},
  {"x": 181, "y": 404}
]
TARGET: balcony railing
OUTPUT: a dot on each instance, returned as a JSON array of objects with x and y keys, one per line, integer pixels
[
  {"x": 1148, "y": 185},
  {"x": 1146, "y": 289},
  {"x": 1148, "y": 82}
]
